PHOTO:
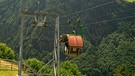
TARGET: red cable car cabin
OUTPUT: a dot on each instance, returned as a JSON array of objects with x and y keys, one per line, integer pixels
[{"x": 73, "y": 44}]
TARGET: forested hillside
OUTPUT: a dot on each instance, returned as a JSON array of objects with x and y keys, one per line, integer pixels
[{"x": 108, "y": 28}]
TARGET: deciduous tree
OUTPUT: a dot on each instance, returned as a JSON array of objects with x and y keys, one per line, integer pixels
[{"x": 6, "y": 52}]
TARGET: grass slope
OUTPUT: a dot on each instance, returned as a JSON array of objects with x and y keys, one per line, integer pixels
[
  {"x": 9, "y": 68},
  {"x": 8, "y": 73},
  {"x": 6, "y": 65}
]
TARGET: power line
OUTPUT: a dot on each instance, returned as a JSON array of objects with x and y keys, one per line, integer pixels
[
  {"x": 113, "y": 11},
  {"x": 102, "y": 16},
  {"x": 109, "y": 21},
  {"x": 59, "y": 5},
  {"x": 103, "y": 21},
  {"x": 63, "y": 4},
  {"x": 113, "y": 19},
  {"x": 89, "y": 9}
]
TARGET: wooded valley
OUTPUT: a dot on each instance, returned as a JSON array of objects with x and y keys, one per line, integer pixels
[{"x": 107, "y": 28}]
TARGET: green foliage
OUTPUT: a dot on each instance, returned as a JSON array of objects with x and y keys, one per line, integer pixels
[
  {"x": 46, "y": 70},
  {"x": 115, "y": 49},
  {"x": 87, "y": 62},
  {"x": 69, "y": 69},
  {"x": 34, "y": 63},
  {"x": 6, "y": 52},
  {"x": 110, "y": 41},
  {"x": 130, "y": 0},
  {"x": 118, "y": 48},
  {"x": 121, "y": 71},
  {"x": 38, "y": 66}
]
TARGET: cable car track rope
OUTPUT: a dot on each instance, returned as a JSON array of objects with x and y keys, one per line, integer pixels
[
  {"x": 88, "y": 9},
  {"x": 59, "y": 5}
]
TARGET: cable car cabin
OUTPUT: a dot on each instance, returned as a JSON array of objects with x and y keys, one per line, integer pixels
[{"x": 73, "y": 44}]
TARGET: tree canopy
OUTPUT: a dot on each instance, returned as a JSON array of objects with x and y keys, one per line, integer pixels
[
  {"x": 130, "y": 0},
  {"x": 69, "y": 69},
  {"x": 107, "y": 26},
  {"x": 6, "y": 52},
  {"x": 34, "y": 64}
]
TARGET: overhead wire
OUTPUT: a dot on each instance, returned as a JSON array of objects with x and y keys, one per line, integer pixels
[
  {"x": 94, "y": 8},
  {"x": 96, "y": 17},
  {"x": 59, "y": 5},
  {"x": 111, "y": 13},
  {"x": 110, "y": 20},
  {"x": 88, "y": 9},
  {"x": 113, "y": 19},
  {"x": 100, "y": 16},
  {"x": 123, "y": 11},
  {"x": 117, "y": 19},
  {"x": 81, "y": 10}
]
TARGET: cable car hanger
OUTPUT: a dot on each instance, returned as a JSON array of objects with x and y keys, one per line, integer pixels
[
  {"x": 72, "y": 43},
  {"x": 39, "y": 21}
]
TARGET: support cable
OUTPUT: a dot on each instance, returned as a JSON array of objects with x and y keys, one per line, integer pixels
[
  {"x": 89, "y": 9},
  {"x": 113, "y": 19},
  {"x": 60, "y": 5},
  {"x": 34, "y": 71},
  {"x": 109, "y": 14},
  {"x": 45, "y": 65},
  {"x": 112, "y": 12}
]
